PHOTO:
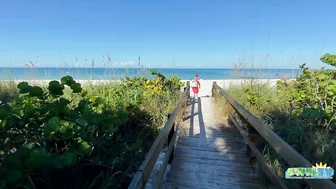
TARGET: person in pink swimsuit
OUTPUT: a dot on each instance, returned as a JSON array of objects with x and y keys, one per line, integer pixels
[{"x": 195, "y": 85}]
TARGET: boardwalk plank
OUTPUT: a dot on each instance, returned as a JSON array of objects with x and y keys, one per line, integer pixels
[
  {"x": 205, "y": 184},
  {"x": 212, "y": 165},
  {"x": 208, "y": 155}
]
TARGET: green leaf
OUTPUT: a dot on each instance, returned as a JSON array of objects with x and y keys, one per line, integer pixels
[
  {"x": 67, "y": 134},
  {"x": 65, "y": 123},
  {"x": 23, "y": 87},
  {"x": 55, "y": 88},
  {"x": 64, "y": 160},
  {"x": 36, "y": 91},
  {"x": 53, "y": 125},
  {"x": 84, "y": 93},
  {"x": 56, "y": 161},
  {"x": 99, "y": 100},
  {"x": 25, "y": 150},
  {"x": 69, "y": 158},
  {"x": 112, "y": 128},
  {"x": 321, "y": 76},
  {"x": 333, "y": 82},
  {"x": 38, "y": 158},
  {"x": 85, "y": 148},
  {"x": 330, "y": 93},
  {"x": 64, "y": 101},
  {"x": 29, "y": 146},
  {"x": 13, "y": 160},
  {"x": 76, "y": 88},
  {"x": 64, "y": 127},
  {"x": 67, "y": 80},
  {"x": 82, "y": 122},
  {"x": 332, "y": 88},
  {"x": 13, "y": 176}
]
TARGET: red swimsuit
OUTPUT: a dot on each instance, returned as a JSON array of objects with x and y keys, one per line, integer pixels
[{"x": 195, "y": 89}]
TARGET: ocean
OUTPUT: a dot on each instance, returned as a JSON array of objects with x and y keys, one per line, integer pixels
[{"x": 117, "y": 73}]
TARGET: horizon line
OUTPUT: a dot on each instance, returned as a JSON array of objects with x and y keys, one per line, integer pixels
[{"x": 155, "y": 68}]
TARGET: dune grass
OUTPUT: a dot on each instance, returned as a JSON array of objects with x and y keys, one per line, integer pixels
[{"x": 292, "y": 110}]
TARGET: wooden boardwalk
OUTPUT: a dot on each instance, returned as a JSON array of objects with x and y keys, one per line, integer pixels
[
  {"x": 202, "y": 152},
  {"x": 207, "y": 153}
]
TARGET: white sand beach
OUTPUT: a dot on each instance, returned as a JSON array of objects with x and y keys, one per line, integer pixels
[{"x": 206, "y": 85}]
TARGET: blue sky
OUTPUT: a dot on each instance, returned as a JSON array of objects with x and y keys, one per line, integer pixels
[{"x": 191, "y": 33}]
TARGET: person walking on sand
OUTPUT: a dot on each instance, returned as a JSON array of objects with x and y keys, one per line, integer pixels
[{"x": 195, "y": 85}]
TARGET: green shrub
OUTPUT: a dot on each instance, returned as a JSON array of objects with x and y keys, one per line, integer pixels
[
  {"x": 67, "y": 136},
  {"x": 301, "y": 111}
]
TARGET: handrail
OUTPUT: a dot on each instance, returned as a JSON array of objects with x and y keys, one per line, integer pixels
[
  {"x": 168, "y": 132},
  {"x": 288, "y": 153}
]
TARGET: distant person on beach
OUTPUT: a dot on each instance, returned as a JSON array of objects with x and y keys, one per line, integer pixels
[{"x": 195, "y": 85}]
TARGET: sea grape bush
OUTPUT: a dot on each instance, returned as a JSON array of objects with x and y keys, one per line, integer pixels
[
  {"x": 158, "y": 90},
  {"x": 160, "y": 85},
  {"x": 312, "y": 94},
  {"x": 310, "y": 125},
  {"x": 46, "y": 133},
  {"x": 301, "y": 111},
  {"x": 49, "y": 139},
  {"x": 329, "y": 59}
]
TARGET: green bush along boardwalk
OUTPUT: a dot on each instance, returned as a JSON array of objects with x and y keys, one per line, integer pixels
[
  {"x": 67, "y": 136},
  {"x": 301, "y": 111}
]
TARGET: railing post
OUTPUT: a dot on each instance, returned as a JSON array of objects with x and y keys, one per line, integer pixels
[
  {"x": 213, "y": 87},
  {"x": 188, "y": 88},
  {"x": 251, "y": 134},
  {"x": 170, "y": 137},
  {"x": 254, "y": 137}
]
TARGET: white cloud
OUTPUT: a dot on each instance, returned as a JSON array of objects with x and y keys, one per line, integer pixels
[{"x": 124, "y": 64}]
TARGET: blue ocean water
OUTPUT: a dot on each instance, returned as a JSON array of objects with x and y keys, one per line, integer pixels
[{"x": 117, "y": 73}]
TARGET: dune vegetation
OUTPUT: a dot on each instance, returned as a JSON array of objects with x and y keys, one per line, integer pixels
[
  {"x": 302, "y": 111},
  {"x": 65, "y": 135}
]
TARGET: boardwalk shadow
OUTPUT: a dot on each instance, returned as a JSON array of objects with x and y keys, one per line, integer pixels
[
  {"x": 232, "y": 157},
  {"x": 202, "y": 133},
  {"x": 200, "y": 125},
  {"x": 192, "y": 115},
  {"x": 213, "y": 157}
]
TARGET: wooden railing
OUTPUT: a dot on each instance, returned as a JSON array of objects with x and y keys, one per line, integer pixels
[
  {"x": 167, "y": 134},
  {"x": 255, "y": 126}
]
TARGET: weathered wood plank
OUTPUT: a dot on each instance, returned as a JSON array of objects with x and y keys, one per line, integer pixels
[
  {"x": 209, "y": 184},
  {"x": 211, "y": 142},
  {"x": 210, "y": 165},
  {"x": 213, "y": 149},
  {"x": 208, "y": 155},
  {"x": 226, "y": 136},
  {"x": 214, "y": 177},
  {"x": 228, "y": 155}
]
